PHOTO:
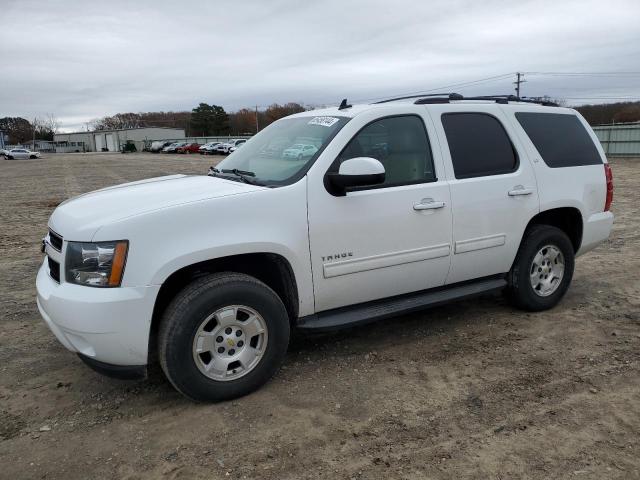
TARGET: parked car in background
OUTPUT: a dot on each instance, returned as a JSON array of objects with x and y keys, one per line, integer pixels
[
  {"x": 18, "y": 153},
  {"x": 173, "y": 148},
  {"x": 233, "y": 149},
  {"x": 156, "y": 147},
  {"x": 207, "y": 148},
  {"x": 223, "y": 148},
  {"x": 300, "y": 151},
  {"x": 189, "y": 148}
]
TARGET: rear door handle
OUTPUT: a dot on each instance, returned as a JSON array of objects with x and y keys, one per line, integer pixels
[
  {"x": 428, "y": 204},
  {"x": 519, "y": 190}
]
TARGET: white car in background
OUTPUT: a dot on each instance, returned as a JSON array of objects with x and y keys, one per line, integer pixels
[
  {"x": 18, "y": 153},
  {"x": 223, "y": 148},
  {"x": 208, "y": 148},
  {"x": 233, "y": 149},
  {"x": 300, "y": 151}
]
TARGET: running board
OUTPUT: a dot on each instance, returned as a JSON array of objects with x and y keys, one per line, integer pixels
[{"x": 390, "y": 307}]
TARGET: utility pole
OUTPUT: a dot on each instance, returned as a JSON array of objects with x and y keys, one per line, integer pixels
[
  {"x": 257, "y": 126},
  {"x": 519, "y": 79}
]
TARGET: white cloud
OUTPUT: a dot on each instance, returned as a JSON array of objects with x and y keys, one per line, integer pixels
[{"x": 81, "y": 60}]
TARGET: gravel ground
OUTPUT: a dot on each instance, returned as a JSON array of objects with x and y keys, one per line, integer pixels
[{"x": 474, "y": 389}]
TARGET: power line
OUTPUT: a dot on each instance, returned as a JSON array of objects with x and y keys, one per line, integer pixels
[
  {"x": 435, "y": 89},
  {"x": 586, "y": 74}
]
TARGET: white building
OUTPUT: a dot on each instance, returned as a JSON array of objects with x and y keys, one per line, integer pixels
[{"x": 113, "y": 140}]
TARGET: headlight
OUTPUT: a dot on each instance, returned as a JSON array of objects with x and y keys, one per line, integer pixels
[{"x": 96, "y": 264}]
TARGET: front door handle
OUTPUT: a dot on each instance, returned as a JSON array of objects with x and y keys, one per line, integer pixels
[
  {"x": 520, "y": 190},
  {"x": 428, "y": 204}
]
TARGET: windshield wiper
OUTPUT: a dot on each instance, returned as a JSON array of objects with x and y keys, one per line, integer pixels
[{"x": 243, "y": 175}]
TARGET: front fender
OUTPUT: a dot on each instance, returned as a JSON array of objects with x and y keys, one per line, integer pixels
[{"x": 264, "y": 221}]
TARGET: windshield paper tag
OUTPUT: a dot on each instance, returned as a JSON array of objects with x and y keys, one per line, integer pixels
[{"x": 324, "y": 121}]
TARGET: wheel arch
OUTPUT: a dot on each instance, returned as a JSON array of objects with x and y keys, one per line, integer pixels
[
  {"x": 270, "y": 268},
  {"x": 567, "y": 219}
]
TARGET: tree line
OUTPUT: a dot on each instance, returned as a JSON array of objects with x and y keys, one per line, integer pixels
[
  {"x": 202, "y": 121},
  {"x": 212, "y": 120},
  {"x": 622, "y": 112},
  {"x": 20, "y": 130}
]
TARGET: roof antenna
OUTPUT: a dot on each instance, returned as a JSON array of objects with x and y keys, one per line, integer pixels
[{"x": 344, "y": 104}]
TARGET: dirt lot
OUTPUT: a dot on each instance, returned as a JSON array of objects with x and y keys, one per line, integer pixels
[{"x": 473, "y": 390}]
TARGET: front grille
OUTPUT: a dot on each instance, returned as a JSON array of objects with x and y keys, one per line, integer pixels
[
  {"x": 54, "y": 269},
  {"x": 55, "y": 240}
]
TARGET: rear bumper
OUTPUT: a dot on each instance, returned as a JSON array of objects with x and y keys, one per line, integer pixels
[
  {"x": 108, "y": 325},
  {"x": 596, "y": 230}
]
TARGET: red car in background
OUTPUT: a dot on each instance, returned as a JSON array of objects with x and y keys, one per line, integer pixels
[{"x": 189, "y": 148}]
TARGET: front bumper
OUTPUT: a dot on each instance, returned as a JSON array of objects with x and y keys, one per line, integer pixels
[{"x": 107, "y": 325}]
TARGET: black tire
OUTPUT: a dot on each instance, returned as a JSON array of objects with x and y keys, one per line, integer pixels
[
  {"x": 33, "y": 156},
  {"x": 191, "y": 306},
  {"x": 520, "y": 291},
  {"x": 9, "y": 157}
]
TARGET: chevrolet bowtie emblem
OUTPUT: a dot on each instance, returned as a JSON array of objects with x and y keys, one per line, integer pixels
[{"x": 230, "y": 342}]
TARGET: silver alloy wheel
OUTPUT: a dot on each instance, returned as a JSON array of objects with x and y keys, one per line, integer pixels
[
  {"x": 547, "y": 270},
  {"x": 230, "y": 342}
]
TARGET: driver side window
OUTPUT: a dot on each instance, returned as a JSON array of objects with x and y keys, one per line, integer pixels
[{"x": 400, "y": 143}]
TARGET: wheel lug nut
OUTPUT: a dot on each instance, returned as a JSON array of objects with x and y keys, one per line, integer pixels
[
  {"x": 232, "y": 351},
  {"x": 219, "y": 339},
  {"x": 240, "y": 343},
  {"x": 221, "y": 350},
  {"x": 228, "y": 330},
  {"x": 238, "y": 333}
]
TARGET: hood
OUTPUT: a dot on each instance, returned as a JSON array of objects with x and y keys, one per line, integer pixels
[{"x": 80, "y": 217}]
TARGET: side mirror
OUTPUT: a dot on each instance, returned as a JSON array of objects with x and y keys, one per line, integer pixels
[{"x": 356, "y": 172}]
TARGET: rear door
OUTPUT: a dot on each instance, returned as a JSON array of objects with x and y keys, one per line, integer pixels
[{"x": 493, "y": 188}]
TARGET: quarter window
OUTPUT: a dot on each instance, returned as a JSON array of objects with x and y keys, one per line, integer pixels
[
  {"x": 479, "y": 145},
  {"x": 561, "y": 140},
  {"x": 400, "y": 144}
]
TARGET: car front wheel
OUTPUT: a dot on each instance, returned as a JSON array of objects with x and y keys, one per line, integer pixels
[
  {"x": 222, "y": 337},
  {"x": 542, "y": 270}
]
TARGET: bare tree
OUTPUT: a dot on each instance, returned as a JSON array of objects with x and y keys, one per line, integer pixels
[{"x": 51, "y": 123}]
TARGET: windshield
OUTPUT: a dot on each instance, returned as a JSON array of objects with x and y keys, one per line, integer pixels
[{"x": 277, "y": 155}]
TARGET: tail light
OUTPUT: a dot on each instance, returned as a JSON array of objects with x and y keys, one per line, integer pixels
[{"x": 609, "y": 177}]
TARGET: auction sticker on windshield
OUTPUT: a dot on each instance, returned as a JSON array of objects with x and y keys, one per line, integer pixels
[{"x": 324, "y": 121}]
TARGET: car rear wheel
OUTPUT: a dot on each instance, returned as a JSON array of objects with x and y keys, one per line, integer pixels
[
  {"x": 542, "y": 270},
  {"x": 222, "y": 337}
]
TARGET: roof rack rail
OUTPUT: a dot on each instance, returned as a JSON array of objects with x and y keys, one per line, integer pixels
[
  {"x": 415, "y": 96},
  {"x": 503, "y": 99}
]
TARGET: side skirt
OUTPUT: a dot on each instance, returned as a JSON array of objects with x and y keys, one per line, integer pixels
[{"x": 390, "y": 307}]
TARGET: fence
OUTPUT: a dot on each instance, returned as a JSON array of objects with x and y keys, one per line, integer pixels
[{"x": 619, "y": 140}]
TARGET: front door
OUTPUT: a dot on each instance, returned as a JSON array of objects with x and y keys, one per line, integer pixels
[
  {"x": 389, "y": 239},
  {"x": 493, "y": 189}
]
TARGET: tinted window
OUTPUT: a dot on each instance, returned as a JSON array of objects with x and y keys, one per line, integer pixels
[
  {"x": 400, "y": 144},
  {"x": 479, "y": 145},
  {"x": 561, "y": 140}
]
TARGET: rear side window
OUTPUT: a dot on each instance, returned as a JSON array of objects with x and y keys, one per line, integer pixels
[
  {"x": 561, "y": 140},
  {"x": 479, "y": 145}
]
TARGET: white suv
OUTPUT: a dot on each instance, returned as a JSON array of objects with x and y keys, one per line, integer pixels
[{"x": 402, "y": 206}]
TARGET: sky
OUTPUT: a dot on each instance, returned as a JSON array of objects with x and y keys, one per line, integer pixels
[{"x": 82, "y": 60}]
